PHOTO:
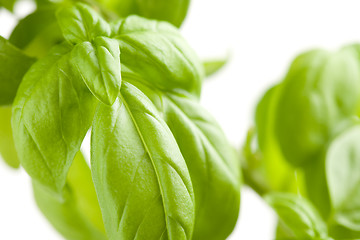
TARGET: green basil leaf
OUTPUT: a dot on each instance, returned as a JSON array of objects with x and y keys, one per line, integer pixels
[
  {"x": 213, "y": 66},
  {"x": 52, "y": 112},
  {"x": 212, "y": 163},
  {"x": 316, "y": 186},
  {"x": 276, "y": 172},
  {"x": 342, "y": 168},
  {"x": 8, "y": 4},
  {"x": 155, "y": 53},
  {"x": 14, "y": 65},
  {"x": 7, "y": 147},
  {"x": 99, "y": 64},
  {"x": 38, "y": 32},
  {"x": 312, "y": 101},
  {"x": 81, "y": 23},
  {"x": 173, "y": 11},
  {"x": 140, "y": 176},
  {"x": 78, "y": 215},
  {"x": 299, "y": 215}
]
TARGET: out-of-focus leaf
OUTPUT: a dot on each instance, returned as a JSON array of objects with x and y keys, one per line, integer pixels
[
  {"x": 14, "y": 65},
  {"x": 7, "y": 147},
  {"x": 342, "y": 174},
  {"x": 320, "y": 90},
  {"x": 299, "y": 215},
  {"x": 77, "y": 216},
  {"x": 173, "y": 11},
  {"x": 213, "y": 66},
  {"x": 8, "y": 4},
  {"x": 277, "y": 173},
  {"x": 38, "y": 32}
]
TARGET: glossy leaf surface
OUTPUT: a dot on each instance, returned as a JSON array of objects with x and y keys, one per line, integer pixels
[
  {"x": 99, "y": 64},
  {"x": 312, "y": 101},
  {"x": 51, "y": 114},
  {"x": 38, "y": 32},
  {"x": 155, "y": 53},
  {"x": 141, "y": 178}
]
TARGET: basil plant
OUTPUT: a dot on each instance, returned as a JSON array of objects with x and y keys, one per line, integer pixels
[
  {"x": 307, "y": 162},
  {"x": 160, "y": 167}
]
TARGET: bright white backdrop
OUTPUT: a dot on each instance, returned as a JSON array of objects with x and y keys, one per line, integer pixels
[{"x": 262, "y": 37}]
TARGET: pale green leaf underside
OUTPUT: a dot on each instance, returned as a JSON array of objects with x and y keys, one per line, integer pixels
[
  {"x": 99, "y": 65},
  {"x": 312, "y": 101}
]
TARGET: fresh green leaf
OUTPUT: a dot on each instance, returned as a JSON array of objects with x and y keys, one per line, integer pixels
[
  {"x": 99, "y": 64},
  {"x": 38, "y": 32},
  {"x": 213, "y": 66},
  {"x": 7, "y": 147},
  {"x": 173, "y": 11},
  {"x": 299, "y": 215},
  {"x": 312, "y": 101},
  {"x": 154, "y": 53},
  {"x": 80, "y": 23},
  {"x": 213, "y": 167},
  {"x": 8, "y": 4},
  {"x": 277, "y": 174},
  {"x": 342, "y": 173},
  {"x": 141, "y": 178},
  {"x": 52, "y": 112},
  {"x": 78, "y": 215},
  {"x": 14, "y": 65}
]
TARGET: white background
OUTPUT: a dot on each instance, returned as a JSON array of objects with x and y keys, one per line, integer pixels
[{"x": 262, "y": 37}]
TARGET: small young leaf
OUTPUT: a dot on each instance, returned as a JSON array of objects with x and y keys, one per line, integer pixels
[
  {"x": 99, "y": 64},
  {"x": 299, "y": 215},
  {"x": 7, "y": 147},
  {"x": 140, "y": 176},
  {"x": 14, "y": 65},
  {"x": 78, "y": 215},
  {"x": 213, "y": 66},
  {"x": 156, "y": 54},
  {"x": 81, "y": 23},
  {"x": 52, "y": 112},
  {"x": 342, "y": 173}
]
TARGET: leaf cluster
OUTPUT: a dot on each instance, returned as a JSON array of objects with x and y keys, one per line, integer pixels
[{"x": 306, "y": 160}]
